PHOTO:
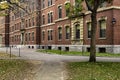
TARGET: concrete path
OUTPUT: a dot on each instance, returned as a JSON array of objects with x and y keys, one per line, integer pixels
[{"x": 52, "y": 67}]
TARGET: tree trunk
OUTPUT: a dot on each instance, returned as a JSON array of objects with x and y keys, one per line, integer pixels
[{"x": 93, "y": 37}]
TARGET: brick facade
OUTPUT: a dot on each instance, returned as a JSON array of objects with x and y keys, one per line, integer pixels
[
  {"x": 56, "y": 31},
  {"x": 25, "y": 27},
  {"x": 4, "y": 29}
]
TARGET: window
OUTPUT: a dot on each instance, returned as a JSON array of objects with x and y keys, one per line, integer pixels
[
  {"x": 59, "y": 11},
  {"x": 50, "y": 17},
  {"x": 102, "y": 25},
  {"x": 12, "y": 28},
  {"x": 43, "y": 19},
  {"x": 32, "y": 36},
  {"x": 103, "y": 3},
  {"x": 33, "y": 23},
  {"x": 43, "y": 35},
  {"x": 89, "y": 29},
  {"x": 67, "y": 6},
  {"x": 20, "y": 25},
  {"x": 59, "y": 33},
  {"x": 26, "y": 23},
  {"x": 29, "y": 36},
  {"x": 43, "y": 3},
  {"x": 50, "y": 34},
  {"x": 67, "y": 32},
  {"x": 29, "y": 23},
  {"x": 12, "y": 18},
  {"x": 77, "y": 29},
  {"x": 15, "y": 26},
  {"x": 49, "y": 2},
  {"x": 26, "y": 37}
]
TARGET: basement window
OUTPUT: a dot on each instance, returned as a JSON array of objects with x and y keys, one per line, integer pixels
[
  {"x": 42, "y": 47},
  {"x": 32, "y": 47},
  {"x": 59, "y": 48},
  {"x": 102, "y": 50},
  {"x": 49, "y": 47},
  {"x": 88, "y": 49},
  {"x": 66, "y": 48},
  {"x": 29, "y": 47}
]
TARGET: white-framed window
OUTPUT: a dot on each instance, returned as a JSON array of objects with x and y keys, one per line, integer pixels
[
  {"x": 59, "y": 11},
  {"x": 67, "y": 28},
  {"x": 50, "y": 37},
  {"x": 60, "y": 33},
  {"x": 43, "y": 35},
  {"x": 50, "y": 2},
  {"x": 77, "y": 31},
  {"x": 32, "y": 36},
  {"x": 89, "y": 29},
  {"x": 43, "y": 19},
  {"x": 50, "y": 17},
  {"x": 102, "y": 26}
]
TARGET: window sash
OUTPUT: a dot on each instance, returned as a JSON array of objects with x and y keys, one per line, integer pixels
[{"x": 102, "y": 29}]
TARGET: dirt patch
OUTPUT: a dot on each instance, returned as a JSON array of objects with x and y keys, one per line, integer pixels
[{"x": 32, "y": 71}]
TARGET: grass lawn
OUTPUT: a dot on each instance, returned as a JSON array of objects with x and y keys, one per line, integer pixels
[
  {"x": 13, "y": 69},
  {"x": 78, "y": 53},
  {"x": 93, "y": 71},
  {"x": 4, "y": 55}
]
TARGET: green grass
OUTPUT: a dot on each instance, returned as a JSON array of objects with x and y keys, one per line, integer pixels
[
  {"x": 13, "y": 69},
  {"x": 4, "y": 55},
  {"x": 78, "y": 53},
  {"x": 93, "y": 71}
]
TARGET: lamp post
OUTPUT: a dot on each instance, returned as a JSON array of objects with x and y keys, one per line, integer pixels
[
  {"x": 113, "y": 21},
  {"x": 113, "y": 26}
]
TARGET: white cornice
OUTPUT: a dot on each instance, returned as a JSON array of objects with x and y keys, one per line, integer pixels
[
  {"x": 104, "y": 9},
  {"x": 47, "y": 25},
  {"x": 47, "y": 7},
  {"x": 61, "y": 19}
]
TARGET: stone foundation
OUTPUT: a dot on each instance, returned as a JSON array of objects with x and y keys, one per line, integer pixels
[{"x": 84, "y": 48}]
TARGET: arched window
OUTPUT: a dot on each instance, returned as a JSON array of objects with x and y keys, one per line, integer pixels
[
  {"x": 67, "y": 7},
  {"x": 59, "y": 11},
  {"x": 77, "y": 31}
]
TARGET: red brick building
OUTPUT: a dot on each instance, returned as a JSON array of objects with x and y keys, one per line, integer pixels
[
  {"x": 54, "y": 25},
  {"x": 107, "y": 37},
  {"x": 25, "y": 25},
  {"x": 48, "y": 27},
  {"x": 4, "y": 29}
]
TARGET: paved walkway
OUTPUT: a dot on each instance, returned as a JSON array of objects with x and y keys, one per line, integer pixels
[{"x": 52, "y": 67}]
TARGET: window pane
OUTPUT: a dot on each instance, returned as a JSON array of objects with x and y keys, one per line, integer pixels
[
  {"x": 59, "y": 12},
  {"x": 77, "y": 31},
  {"x": 89, "y": 29},
  {"x": 59, "y": 33},
  {"x": 67, "y": 32},
  {"x": 102, "y": 28}
]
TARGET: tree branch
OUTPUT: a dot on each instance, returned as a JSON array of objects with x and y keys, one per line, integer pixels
[
  {"x": 89, "y": 8},
  {"x": 96, "y": 4},
  {"x": 17, "y": 6}
]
